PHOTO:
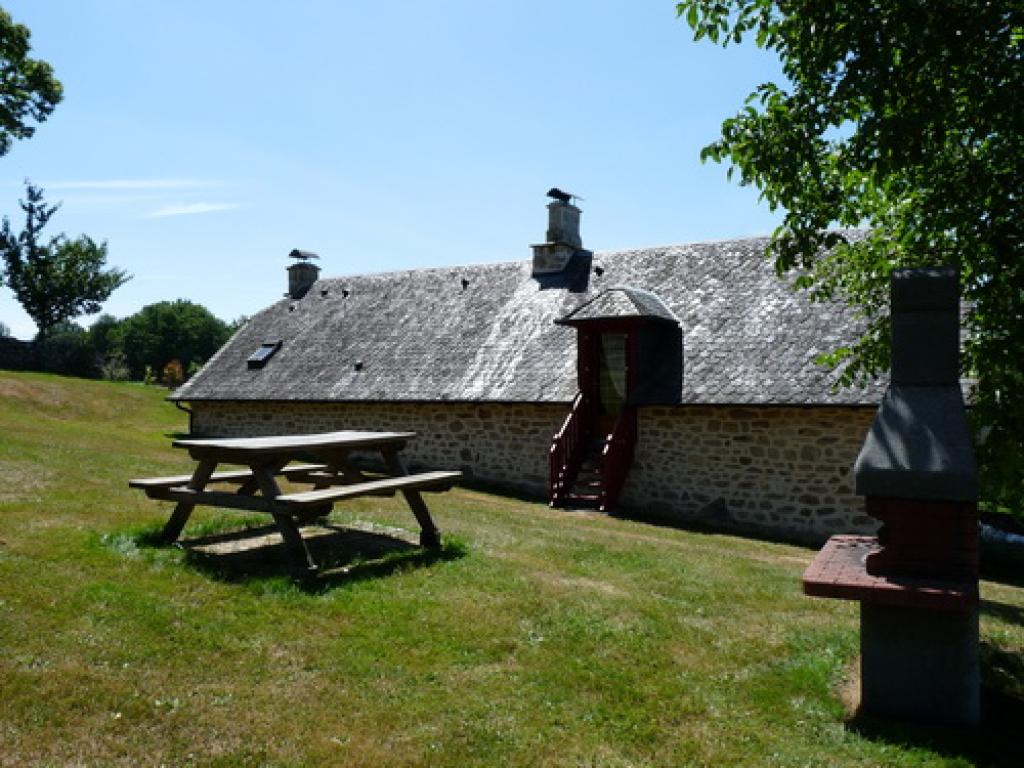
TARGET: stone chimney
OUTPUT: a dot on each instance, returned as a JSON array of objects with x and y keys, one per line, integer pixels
[
  {"x": 564, "y": 224},
  {"x": 919, "y": 446},
  {"x": 925, "y": 327},
  {"x": 563, "y": 238},
  {"x": 302, "y": 274}
]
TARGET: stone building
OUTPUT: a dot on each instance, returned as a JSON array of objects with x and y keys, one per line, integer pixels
[{"x": 678, "y": 381}]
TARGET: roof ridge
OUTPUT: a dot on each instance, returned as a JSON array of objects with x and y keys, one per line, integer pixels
[{"x": 525, "y": 259}]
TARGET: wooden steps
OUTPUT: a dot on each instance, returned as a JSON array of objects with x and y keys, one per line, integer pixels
[{"x": 587, "y": 488}]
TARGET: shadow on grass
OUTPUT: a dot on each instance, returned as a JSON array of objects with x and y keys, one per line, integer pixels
[
  {"x": 1011, "y": 614},
  {"x": 1004, "y": 570},
  {"x": 344, "y": 555},
  {"x": 708, "y": 522},
  {"x": 995, "y": 742}
]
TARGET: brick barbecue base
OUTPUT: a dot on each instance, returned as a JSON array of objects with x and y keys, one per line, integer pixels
[
  {"x": 918, "y": 636},
  {"x": 839, "y": 571},
  {"x": 920, "y": 664}
]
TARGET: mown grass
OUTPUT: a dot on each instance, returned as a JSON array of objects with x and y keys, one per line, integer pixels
[{"x": 537, "y": 637}]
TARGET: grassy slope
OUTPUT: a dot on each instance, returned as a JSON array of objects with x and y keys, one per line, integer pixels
[{"x": 543, "y": 638}]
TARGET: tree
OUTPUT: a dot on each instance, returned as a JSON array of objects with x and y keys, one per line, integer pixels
[
  {"x": 237, "y": 323},
  {"x": 904, "y": 119},
  {"x": 28, "y": 89},
  {"x": 105, "y": 336},
  {"x": 68, "y": 351},
  {"x": 61, "y": 279},
  {"x": 170, "y": 330}
]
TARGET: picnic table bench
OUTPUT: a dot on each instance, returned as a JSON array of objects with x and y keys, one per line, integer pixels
[{"x": 334, "y": 478}]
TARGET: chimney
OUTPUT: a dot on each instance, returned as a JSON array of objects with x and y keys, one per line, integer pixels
[
  {"x": 563, "y": 235},
  {"x": 564, "y": 224},
  {"x": 302, "y": 274},
  {"x": 919, "y": 446},
  {"x": 925, "y": 309}
]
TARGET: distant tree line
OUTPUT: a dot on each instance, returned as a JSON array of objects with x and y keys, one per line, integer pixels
[
  {"x": 163, "y": 343},
  {"x": 59, "y": 279}
]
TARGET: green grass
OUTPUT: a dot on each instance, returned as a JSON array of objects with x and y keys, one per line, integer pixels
[{"x": 537, "y": 637}]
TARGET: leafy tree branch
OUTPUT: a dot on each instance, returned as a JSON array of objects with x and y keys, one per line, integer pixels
[
  {"x": 28, "y": 89},
  {"x": 58, "y": 280},
  {"x": 903, "y": 119}
]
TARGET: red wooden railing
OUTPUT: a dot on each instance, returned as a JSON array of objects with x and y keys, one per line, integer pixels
[
  {"x": 617, "y": 456},
  {"x": 566, "y": 449}
]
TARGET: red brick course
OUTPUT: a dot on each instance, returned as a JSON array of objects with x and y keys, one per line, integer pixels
[
  {"x": 839, "y": 571},
  {"x": 937, "y": 539}
]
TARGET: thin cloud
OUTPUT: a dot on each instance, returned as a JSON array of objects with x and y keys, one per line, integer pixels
[
  {"x": 189, "y": 209},
  {"x": 133, "y": 184}
]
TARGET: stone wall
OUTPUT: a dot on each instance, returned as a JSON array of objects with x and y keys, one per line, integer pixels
[{"x": 780, "y": 471}]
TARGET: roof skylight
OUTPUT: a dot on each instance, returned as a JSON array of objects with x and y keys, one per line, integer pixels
[{"x": 259, "y": 358}]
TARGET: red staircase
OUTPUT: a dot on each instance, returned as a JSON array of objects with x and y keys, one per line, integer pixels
[{"x": 588, "y": 468}]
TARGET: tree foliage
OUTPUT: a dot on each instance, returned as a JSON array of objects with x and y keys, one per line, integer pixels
[
  {"x": 58, "y": 280},
  {"x": 67, "y": 350},
  {"x": 905, "y": 119},
  {"x": 28, "y": 89},
  {"x": 170, "y": 331},
  {"x": 105, "y": 336}
]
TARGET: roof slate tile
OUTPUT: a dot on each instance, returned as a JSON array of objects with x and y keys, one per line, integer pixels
[{"x": 426, "y": 335}]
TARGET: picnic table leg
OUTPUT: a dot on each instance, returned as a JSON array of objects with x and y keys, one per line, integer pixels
[
  {"x": 343, "y": 468},
  {"x": 250, "y": 486},
  {"x": 298, "y": 552},
  {"x": 183, "y": 510},
  {"x": 430, "y": 536}
]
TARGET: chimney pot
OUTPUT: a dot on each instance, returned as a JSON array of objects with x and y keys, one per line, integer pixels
[
  {"x": 563, "y": 238},
  {"x": 564, "y": 224},
  {"x": 925, "y": 315},
  {"x": 302, "y": 274}
]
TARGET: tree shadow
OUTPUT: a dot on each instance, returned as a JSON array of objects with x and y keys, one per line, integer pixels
[
  {"x": 1004, "y": 568},
  {"x": 344, "y": 555},
  {"x": 995, "y": 742},
  {"x": 1011, "y": 614}
]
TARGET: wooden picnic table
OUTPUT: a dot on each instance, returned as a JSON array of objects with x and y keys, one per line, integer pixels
[{"x": 333, "y": 477}]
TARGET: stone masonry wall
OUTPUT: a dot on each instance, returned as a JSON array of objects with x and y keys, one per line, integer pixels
[{"x": 781, "y": 471}]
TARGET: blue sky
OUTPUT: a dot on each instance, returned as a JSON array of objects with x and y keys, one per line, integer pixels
[{"x": 204, "y": 140}]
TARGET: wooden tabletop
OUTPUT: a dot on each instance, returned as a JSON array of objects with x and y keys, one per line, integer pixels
[{"x": 279, "y": 443}]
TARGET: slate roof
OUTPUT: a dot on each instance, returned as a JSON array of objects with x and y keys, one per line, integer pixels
[
  {"x": 487, "y": 333},
  {"x": 619, "y": 302}
]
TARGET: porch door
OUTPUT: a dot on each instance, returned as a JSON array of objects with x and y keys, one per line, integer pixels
[{"x": 612, "y": 378}]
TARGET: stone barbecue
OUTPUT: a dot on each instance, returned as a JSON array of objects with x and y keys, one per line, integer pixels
[{"x": 917, "y": 581}]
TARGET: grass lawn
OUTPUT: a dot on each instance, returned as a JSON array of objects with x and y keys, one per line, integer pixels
[{"x": 539, "y": 637}]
